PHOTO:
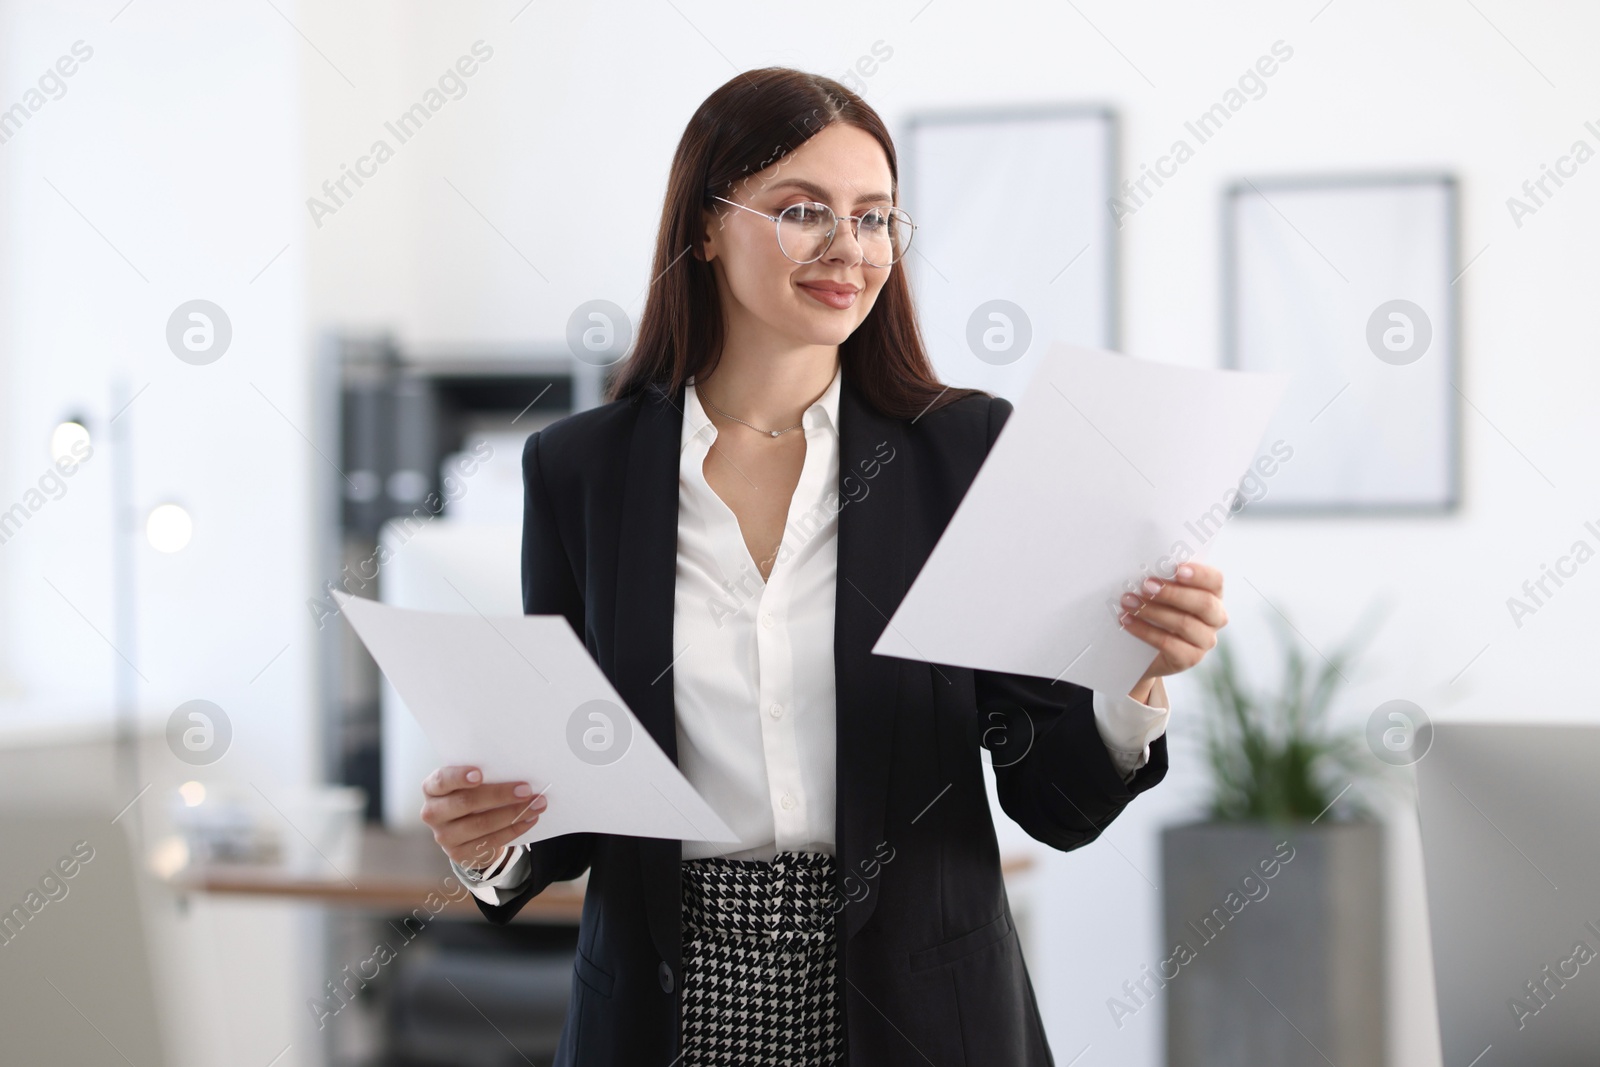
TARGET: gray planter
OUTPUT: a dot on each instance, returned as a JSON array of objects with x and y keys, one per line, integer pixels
[{"x": 1273, "y": 947}]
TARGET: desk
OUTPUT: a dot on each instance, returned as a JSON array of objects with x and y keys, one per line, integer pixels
[{"x": 397, "y": 871}]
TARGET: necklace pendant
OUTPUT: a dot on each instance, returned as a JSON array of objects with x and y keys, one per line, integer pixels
[{"x": 775, "y": 433}]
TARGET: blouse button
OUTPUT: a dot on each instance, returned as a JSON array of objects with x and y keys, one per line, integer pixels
[
  {"x": 787, "y": 802},
  {"x": 776, "y": 711},
  {"x": 766, "y": 620}
]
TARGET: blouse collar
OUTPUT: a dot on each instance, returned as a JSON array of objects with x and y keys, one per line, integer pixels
[{"x": 823, "y": 412}]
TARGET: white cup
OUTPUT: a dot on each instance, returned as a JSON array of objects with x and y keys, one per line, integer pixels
[{"x": 324, "y": 838}]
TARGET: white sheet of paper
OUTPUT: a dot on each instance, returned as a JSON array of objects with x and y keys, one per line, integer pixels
[
  {"x": 1109, "y": 469},
  {"x": 521, "y": 699}
]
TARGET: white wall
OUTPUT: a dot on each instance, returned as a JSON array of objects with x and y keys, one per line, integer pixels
[
  {"x": 540, "y": 189},
  {"x": 175, "y": 151},
  {"x": 167, "y": 171}
]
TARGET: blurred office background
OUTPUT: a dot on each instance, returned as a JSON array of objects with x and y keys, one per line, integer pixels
[{"x": 370, "y": 347}]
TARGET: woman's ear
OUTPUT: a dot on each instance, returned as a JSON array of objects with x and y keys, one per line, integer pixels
[{"x": 703, "y": 250}]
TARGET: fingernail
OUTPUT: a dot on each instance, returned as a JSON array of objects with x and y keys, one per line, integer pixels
[
  {"x": 1152, "y": 586},
  {"x": 474, "y": 776},
  {"x": 529, "y": 815},
  {"x": 523, "y": 790},
  {"x": 539, "y": 803},
  {"x": 1129, "y": 600},
  {"x": 1186, "y": 572}
]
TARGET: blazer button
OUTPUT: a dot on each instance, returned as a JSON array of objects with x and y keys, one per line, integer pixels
[{"x": 665, "y": 974}]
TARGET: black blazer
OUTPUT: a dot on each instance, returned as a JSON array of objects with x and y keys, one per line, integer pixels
[{"x": 930, "y": 963}]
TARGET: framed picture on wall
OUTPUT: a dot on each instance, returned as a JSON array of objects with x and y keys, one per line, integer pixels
[
  {"x": 1015, "y": 245},
  {"x": 1348, "y": 284}
]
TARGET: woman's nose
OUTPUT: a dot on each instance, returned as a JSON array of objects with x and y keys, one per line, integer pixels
[{"x": 845, "y": 247}]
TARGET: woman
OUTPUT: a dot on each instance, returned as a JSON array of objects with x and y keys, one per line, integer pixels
[{"x": 729, "y": 535}]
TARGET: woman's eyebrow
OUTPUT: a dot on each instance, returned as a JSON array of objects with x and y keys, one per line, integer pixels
[{"x": 822, "y": 194}]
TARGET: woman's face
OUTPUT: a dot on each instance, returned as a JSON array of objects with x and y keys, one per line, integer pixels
[{"x": 765, "y": 291}]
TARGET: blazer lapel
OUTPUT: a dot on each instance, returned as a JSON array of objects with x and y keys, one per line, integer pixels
[
  {"x": 869, "y": 587},
  {"x": 647, "y": 568}
]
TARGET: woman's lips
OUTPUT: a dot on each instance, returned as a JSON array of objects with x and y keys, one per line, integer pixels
[{"x": 839, "y": 301}]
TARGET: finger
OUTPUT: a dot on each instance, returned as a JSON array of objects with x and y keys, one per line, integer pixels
[
  {"x": 476, "y": 856},
  {"x": 481, "y": 852},
  {"x": 1201, "y": 575},
  {"x": 1186, "y": 626},
  {"x": 446, "y": 780},
  {"x": 479, "y": 798},
  {"x": 492, "y": 821},
  {"x": 1175, "y": 648},
  {"x": 1201, "y": 603}
]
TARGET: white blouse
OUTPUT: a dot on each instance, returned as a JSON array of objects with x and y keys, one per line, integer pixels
[{"x": 753, "y": 681}]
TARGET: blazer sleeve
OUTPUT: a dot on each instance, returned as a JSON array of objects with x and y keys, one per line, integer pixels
[
  {"x": 549, "y": 587},
  {"x": 1053, "y": 773}
]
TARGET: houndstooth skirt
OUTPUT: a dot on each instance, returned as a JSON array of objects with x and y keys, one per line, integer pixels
[{"x": 760, "y": 975}]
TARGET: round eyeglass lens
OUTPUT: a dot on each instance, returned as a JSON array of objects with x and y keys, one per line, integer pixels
[{"x": 803, "y": 232}]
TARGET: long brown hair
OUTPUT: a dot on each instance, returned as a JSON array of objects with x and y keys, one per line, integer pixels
[{"x": 747, "y": 125}]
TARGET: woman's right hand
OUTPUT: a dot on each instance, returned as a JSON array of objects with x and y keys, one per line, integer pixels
[{"x": 472, "y": 820}]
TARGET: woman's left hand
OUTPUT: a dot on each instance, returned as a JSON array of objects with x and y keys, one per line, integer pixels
[{"x": 1180, "y": 617}]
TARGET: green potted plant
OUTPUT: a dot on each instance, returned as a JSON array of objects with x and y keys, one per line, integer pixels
[{"x": 1274, "y": 903}]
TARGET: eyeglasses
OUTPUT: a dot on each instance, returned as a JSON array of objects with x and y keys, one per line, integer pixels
[{"x": 805, "y": 231}]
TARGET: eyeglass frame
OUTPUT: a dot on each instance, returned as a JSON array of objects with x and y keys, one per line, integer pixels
[{"x": 855, "y": 229}]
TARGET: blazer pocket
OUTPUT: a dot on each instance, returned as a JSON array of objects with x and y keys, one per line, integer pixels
[
  {"x": 591, "y": 975},
  {"x": 963, "y": 946}
]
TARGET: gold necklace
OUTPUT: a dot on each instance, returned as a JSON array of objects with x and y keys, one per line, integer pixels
[{"x": 735, "y": 418}]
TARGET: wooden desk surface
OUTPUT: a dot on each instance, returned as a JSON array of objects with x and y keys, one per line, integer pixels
[{"x": 397, "y": 872}]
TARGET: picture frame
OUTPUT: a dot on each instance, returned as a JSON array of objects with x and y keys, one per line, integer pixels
[
  {"x": 1348, "y": 283},
  {"x": 993, "y": 298}
]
